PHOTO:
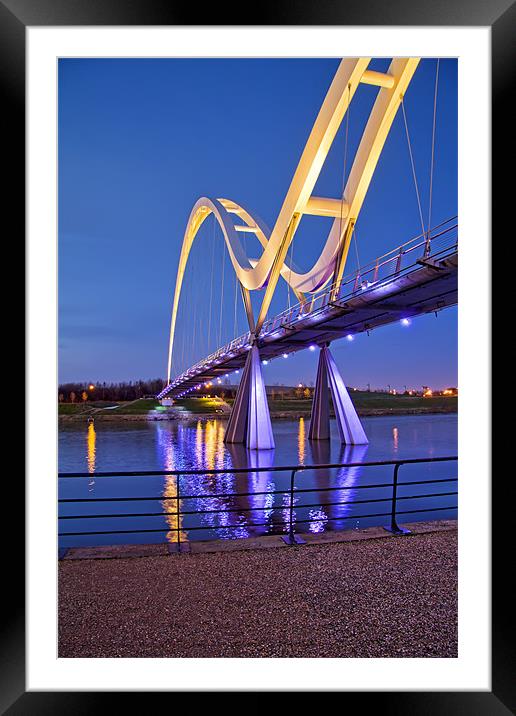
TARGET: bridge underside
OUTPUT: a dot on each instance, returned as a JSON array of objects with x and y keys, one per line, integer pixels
[{"x": 427, "y": 286}]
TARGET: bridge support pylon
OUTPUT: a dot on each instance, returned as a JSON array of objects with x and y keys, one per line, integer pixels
[
  {"x": 329, "y": 380},
  {"x": 250, "y": 420}
]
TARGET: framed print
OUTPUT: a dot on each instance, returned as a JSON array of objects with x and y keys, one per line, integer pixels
[{"x": 265, "y": 215}]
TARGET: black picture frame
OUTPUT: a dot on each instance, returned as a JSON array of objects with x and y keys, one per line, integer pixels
[{"x": 500, "y": 15}]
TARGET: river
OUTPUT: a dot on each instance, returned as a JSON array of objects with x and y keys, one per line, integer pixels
[{"x": 174, "y": 445}]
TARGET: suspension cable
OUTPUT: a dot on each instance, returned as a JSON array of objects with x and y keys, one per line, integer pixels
[
  {"x": 433, "y": 148},
  {"x": 235, "y": 308},
  {"x": 186, "y": 308},
  {"x": 195, "y": 301},
  {"x": 290, "y": 271},
  {"x": 356, "y": 247},
  {"x": 222, "y": 291},
  {"x": 182, "y": 347},
  {"x": 412, "y": 165}
]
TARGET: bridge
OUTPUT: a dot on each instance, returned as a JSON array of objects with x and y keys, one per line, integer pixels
[{"x": 417, "y": 277}]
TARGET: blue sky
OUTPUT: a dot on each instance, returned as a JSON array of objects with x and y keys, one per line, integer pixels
[{"x": 140, "y": 140}]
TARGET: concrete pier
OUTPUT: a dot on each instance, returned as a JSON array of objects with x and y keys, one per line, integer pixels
[
  {"x": 250, "y": 421},
  {"x": 350, "y": 428}
]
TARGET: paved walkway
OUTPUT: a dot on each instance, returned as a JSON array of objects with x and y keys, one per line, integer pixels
[{"x": 381, "y": 597}]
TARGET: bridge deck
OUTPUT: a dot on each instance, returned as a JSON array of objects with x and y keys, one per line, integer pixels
[{"x": 426, "y": 285}]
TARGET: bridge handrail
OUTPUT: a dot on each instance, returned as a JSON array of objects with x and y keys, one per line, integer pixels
[
  {"x": 361, "y": 272},
  {"x": 248, "y": 468}
]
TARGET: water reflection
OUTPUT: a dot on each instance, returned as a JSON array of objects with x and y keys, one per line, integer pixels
[
  {"x": 395, "y": 439},
  {"x": 301, "y": 445},
  {"x": 91, "y": 442},
  {"x": 346, "y": 478},
  {"x": 331, "y": 507},
  {"x": 171, "y": 504},
  {"x": 256, "y": 509},
  {"x": 222, "y": 501}
]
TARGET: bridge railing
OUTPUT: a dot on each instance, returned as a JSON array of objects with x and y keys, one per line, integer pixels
[
  {"x": 172, "y": 503},
  {"x": 391, "y": 265}
]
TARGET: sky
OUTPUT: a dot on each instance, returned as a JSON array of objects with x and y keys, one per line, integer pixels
[{"x": 140, "y": 140}]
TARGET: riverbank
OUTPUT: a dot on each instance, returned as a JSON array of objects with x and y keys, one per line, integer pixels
[
  {"x": 380, "y": 596},
  {"x": 364, "y": 413},
  {"x": 217, "y": 416},
  {"x": 367, "y": 405}
]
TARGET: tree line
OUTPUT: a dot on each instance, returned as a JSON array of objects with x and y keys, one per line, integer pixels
[{"x": 77, "y": 392}]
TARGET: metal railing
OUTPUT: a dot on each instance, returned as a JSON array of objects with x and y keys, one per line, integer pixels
[
  {"x": 293, "y": 491},
  {"x": 390, "y": 266}
]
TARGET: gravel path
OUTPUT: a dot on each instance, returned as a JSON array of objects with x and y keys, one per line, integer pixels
[{"x": 388, "y": 597}]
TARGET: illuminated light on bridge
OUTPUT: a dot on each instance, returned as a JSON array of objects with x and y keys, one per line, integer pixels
[{"x": 420, "y": 276}]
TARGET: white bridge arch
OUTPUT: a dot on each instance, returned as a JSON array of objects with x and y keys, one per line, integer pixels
[{"x": 273, "y": 263}]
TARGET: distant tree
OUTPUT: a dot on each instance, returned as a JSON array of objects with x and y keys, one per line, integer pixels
[
  {"x": 116, "y": 391},
  {"x": 84, "y": 396},
  {"x": 61, "y": 397},
  {"x": 307, "y": 392}
]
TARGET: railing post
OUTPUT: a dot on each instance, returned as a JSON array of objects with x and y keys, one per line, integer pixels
[
  {"x": 426, "y": 253},
  {"x": 398, "y": 262},
  {"x": 178, "y": 510},
  {"x": 291, "y": 511},
  {"x": 292, "y": 538},
  {"x": 394, "y": 527}
]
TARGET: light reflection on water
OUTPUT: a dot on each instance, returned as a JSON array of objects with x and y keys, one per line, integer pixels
[
  {"x": 91, "y": 440},
  {"x": 198, "y": 445}
]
